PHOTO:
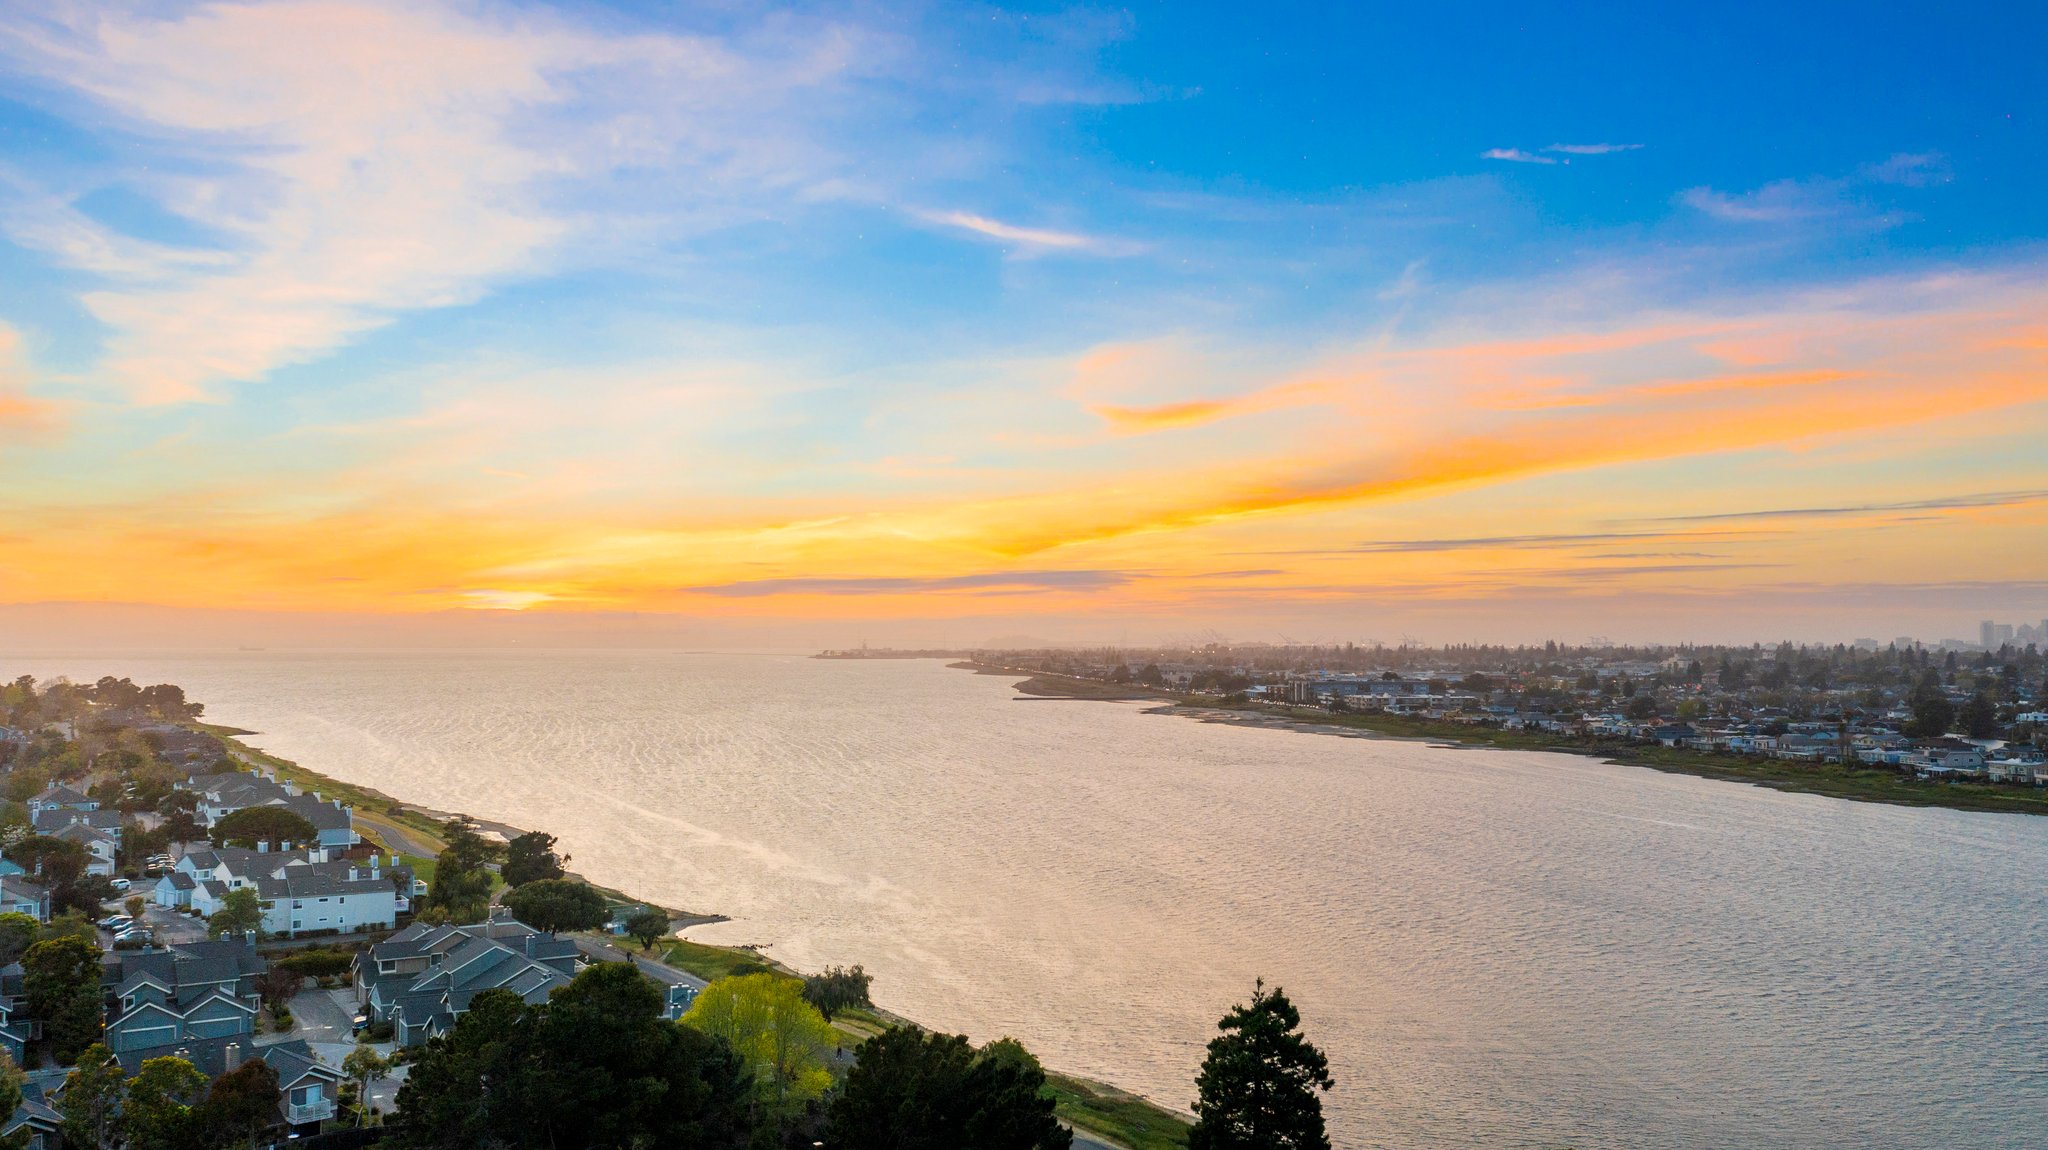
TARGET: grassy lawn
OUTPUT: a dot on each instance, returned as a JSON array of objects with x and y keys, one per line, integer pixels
[
  {"x": 1122, "y": 1118},
  {"x": 714, "y": 962}
]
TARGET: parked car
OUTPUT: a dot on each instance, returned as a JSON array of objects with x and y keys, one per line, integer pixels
[
  {"x": 115, "y": 922},
  {"x": 120, "y": 884},
  {"x": 135, "y": 934}
]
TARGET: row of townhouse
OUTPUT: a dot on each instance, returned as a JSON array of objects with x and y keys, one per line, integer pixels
[
  {"x": 196, "y": 1001},
  {"x": 301, "y": 892},
  {"x": 220, "y": 795},
  {"x": 422, "y": 979}
]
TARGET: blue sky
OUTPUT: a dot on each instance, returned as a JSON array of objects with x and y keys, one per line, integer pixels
[{"x": 693, "y": 273}]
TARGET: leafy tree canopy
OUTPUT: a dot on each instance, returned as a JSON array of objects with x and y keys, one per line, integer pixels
[
  {"x": 61, "y": 982},
  {"x": 837, "y": 989},
  {"x": 275, "y": 826},
  {"x": 241, "y": 911},
  {"x": 556, "y": 904},
  {"x": 529, "y": 857},
  {"x": 909, "y": 1090},
  {"x": 597, "y": 1066}
]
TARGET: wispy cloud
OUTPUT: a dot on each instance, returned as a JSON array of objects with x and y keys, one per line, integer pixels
[
  {"x": 409, "y": 163},
  {"x": 1944, "y": 503},
  {"x": 1793, "y": 201},
  {"x": 900, "y": 585},
  {"x": 1029, "y": 238},
  {"x": 1517, "y": 156},
  {"x": 1591, "y": 149}
]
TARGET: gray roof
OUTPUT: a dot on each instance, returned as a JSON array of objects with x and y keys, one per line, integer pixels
[
  {"x": 60, "y": 793},
  {"x": 324, "y": 816}
]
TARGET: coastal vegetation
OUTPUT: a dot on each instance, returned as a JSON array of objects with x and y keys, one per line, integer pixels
[{"x": 909, "y": 1090}]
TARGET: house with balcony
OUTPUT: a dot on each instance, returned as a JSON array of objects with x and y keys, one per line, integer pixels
[{"x": 307, "y": 1087}]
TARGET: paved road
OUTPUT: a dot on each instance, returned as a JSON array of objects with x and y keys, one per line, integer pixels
[
  {"x": 660, "y": 971},
  {"x": 321, "y": 1015}
]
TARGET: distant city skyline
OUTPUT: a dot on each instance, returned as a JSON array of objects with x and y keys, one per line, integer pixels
[{"x": 825, "y": 322}]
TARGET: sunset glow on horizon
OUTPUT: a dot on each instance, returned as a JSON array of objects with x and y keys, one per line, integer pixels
[{"x": 828, "y": 313}]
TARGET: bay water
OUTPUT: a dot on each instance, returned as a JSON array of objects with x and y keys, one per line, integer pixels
[{"x": 1499, "y": 949}]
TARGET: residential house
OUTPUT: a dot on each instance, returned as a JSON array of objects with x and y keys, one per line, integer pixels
[
  {"x": 307, "y": 1087},
  {"x": 100, "y": 847},
  {"x": 55, "y": 819},
  {"x": 60, "y": 798},
  {"x": 20, "y": 896},
  {"x": 185, "y": 993},
  {"x": 174, "y": 890},
  {"x": 340, "y": 897},
  {"x": 334, "y": 824},
  {"x": 422, "y": 978},
  {"x": 35, "y": 1118}
]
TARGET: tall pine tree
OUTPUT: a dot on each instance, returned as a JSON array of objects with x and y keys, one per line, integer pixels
[{"x": 1258, "y": 1087}]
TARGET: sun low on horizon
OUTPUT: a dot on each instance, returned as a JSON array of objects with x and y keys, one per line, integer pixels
[{"x": 1330, "y": 320}]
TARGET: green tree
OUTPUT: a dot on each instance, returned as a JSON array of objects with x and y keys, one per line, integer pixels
[
  {"x": 71, "y": 924},
  {"x": 18, "y": 932},
  {"x": 240, "y": 1106},
  {"x": 556, "y": 904},
  {"x": 61, "y": 981},
  {"x": 11, "y": 1079},
  {"x": 837, "y": 989},
  {"x": 529, "y": 857},
  {"x": 461, "y": 891},
  {"x": 596, "y": 1066},
  {"x": 1933, "y": 714},
  {"x": 1258, "y": 1086},
  {"x": 909, "y": 1090},
  {"x": 647, "y": 926},
  {"x": 159, "y": 1112},
  {"x": 91, "y": 1101},
  {"x": 1978, "y": 717},
  {"x": 782, "y": 1039},
  {"x": 275, "y": 827},
  {"x": 241, "y": 911},
  {"x": 365, "y": 1067}
]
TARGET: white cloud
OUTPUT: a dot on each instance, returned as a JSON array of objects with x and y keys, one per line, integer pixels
[
  {"x": 1516, "y": 156},
  {"x": 1591, "y": 149},
  {"x": 1030, "y": 238},
  {"x": 364, "y": 158}
]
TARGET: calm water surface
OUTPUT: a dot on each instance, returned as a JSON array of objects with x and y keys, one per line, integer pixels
[{"x": 1496, "y": 948}]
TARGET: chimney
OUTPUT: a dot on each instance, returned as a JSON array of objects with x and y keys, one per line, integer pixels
[
  {"x": 249, "y": 937},
  {"x": 231, "y": 1057}
]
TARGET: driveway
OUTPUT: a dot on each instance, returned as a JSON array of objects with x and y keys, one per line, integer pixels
[{"x": 321, "y": 1016}]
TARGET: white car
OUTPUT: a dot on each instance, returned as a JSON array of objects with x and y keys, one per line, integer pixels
[{"x": 120, "y": 883}]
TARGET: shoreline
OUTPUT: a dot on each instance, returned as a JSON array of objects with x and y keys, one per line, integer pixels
[
  {"x": 1827, "y": 779},
  {"x": 1108, "y": 1114}
]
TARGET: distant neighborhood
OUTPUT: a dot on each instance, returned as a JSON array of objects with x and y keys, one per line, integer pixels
[{"x": 1959, "y": 710}]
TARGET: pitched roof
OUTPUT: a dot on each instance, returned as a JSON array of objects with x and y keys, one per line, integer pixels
[{"x": 59, "y": 793}]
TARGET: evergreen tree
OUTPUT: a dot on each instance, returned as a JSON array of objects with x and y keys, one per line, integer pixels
[{"x": 1258, "y": 1086}]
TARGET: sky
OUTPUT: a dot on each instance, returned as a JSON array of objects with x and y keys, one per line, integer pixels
[{"x": 936, "y": 323}]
